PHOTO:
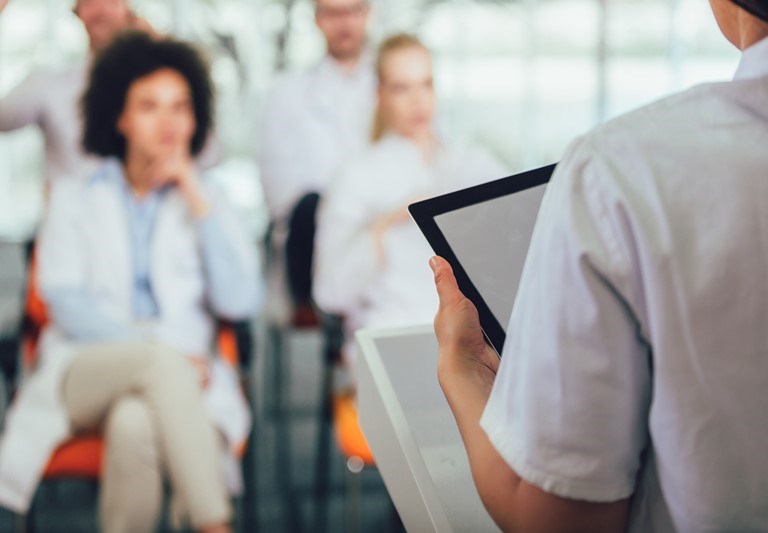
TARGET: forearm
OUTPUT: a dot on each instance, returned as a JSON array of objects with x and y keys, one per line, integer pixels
[
  {"x": 231, "y": 276},
  {"x": 24, "y": 104},
  {"x": 467, "y": 391},
  {"x": 81, "y": 318},
  {"x": 344, "y": 269},
  {"x": 514, "y": 504}
]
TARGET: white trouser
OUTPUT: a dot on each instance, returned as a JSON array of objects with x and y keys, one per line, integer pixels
[{"x": 148, "y": 401}]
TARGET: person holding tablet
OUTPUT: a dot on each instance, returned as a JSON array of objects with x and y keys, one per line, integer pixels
[
  {"x": 370, "y": 256},
  {"x": 631, "y": 391}
]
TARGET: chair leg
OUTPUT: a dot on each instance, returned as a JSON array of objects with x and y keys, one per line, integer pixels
[
  {"x": 250, "y": 500},
  {"x": 248, "y": 517},
  {"x": 323, "y": 453},
  {"x": 24, "y": 523},
  {"x": 355, "y": 467},
  {"x": 332, "y": 342},
  {"x": 273, "y": 386},
  {"x": 283, "y": 447}
]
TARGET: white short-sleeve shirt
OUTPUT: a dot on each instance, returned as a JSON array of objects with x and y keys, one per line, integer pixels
[{"x": 636, "y": 359}]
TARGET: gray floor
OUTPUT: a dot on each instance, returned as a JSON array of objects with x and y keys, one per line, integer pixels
[
  {"x": 284, "y": 446},
  {"x": 286, "y": 497}
]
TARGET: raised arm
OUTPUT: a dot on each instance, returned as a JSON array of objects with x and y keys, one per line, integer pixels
[
  {"x": 24, "y": 104},
  {"x": 234, "y": 287},
  {"x": 348, "y": 253}
]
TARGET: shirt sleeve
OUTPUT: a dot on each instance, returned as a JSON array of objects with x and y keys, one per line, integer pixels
[
  {"x": 78, "y": 314},
  {"x": 282, "y": 157},
  {"x": 568, "y": 411},
  {"x": 346, "y": 259},
  {"x": 62, "y": 274},
  {"x": 234, "y": 288},
  {"x": 24, "y": 104}
]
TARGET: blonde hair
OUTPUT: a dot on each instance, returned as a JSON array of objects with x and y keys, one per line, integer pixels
[{"x": 394, "y": 43}]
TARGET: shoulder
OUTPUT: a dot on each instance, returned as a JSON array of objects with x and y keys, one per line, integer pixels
[
  {"x": 104, "y": 178},
  {"x": 668, "y": 126},
  {"x": 290, "y": 85},
  {"x": 475, "y": 160},
  {"x": 67, "y": 196},
  {"x": 361, "y": 174},
  {"x": 655, "y": 141},
  {"x": 380, "y": 158}
]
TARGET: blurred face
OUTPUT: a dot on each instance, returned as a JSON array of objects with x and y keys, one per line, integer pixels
[
  {"x": 103, "y": 19},
  {"x": 343, "y": 24},
  {"x": 406, "y": 92},
  {"x": 158, "y": 118}
]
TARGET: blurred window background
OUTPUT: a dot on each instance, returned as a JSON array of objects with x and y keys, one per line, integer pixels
[{"x": 519, "y": 77}]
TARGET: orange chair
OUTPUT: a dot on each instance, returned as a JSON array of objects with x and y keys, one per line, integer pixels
[
  {"x": 338, "y": 414},
  {"x": 81, "y": 456},
  {"x": 346, "y": 428},
  {"x": 352, "y": 444}
]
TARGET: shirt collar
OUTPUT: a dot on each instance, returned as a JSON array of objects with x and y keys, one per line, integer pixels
[
  {"x": 364, "y": 65},
  {"x": 403, "y": 143},
  {"x": 754, "y": 62},
  {"x": 111, "y": 172}
]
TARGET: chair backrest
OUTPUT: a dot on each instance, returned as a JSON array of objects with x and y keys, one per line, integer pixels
[
  {"x": 347, "y": 430},
  {"x": 35, "y": 316}
]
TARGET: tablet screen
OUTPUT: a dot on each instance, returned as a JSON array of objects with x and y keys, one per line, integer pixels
[
  {"x": 490, "y": 240},
  {"x": 484, "y": 233}
]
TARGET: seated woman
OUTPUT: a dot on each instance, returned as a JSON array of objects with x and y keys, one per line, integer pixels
[
  {"x": 370, "y": 262},
  {"x": 135, "y": 264}
]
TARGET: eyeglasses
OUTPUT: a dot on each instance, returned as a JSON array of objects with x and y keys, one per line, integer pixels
[{"x": 355, "y": 10}]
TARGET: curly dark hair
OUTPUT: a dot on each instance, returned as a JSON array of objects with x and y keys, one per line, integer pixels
[{"x": 129, "y": 57}]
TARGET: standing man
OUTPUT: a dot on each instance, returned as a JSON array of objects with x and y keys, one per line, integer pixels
[
  {"x": 50, "y": 98},
  {"x": 313, "y": 121}
]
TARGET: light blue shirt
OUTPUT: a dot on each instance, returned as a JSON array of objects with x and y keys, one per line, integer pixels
[
  {"x": 142, "y": 214},
  {"x": 79, "y": 313}
]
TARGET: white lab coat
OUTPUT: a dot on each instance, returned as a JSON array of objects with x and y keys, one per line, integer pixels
[
  {"x": 313, "y": 121},
  {"x": 349, "y": 278},
  {"x": 85, "y": 242}
]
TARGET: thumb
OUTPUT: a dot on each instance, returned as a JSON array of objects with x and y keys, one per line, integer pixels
[{"x": 445, "y": 282}]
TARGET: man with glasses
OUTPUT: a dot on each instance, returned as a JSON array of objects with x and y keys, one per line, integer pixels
[{"x": 313, "y": 120}]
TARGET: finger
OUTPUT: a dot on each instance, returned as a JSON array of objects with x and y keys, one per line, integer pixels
[{"x": 445, "y": 282}]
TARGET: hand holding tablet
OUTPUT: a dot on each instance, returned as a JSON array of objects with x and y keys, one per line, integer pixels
[{"x": 484, "y": 233}]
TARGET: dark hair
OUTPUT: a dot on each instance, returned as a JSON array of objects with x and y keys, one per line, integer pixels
[
  {"x": 758, "y": 8},
  {"x": 129, "y": 57}
]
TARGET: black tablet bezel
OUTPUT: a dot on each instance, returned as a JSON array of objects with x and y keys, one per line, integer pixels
[{"x": 424, "y": 214}]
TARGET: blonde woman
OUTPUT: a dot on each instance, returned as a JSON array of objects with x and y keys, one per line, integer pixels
[{"x": 370, "y": 261}]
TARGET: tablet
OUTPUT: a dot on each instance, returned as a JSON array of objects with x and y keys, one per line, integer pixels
[{"x": 484, "y": 233}]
